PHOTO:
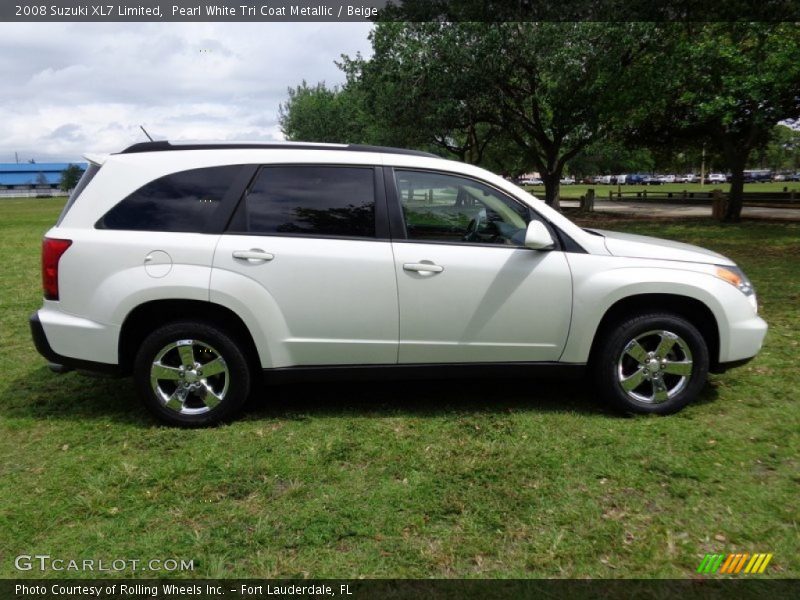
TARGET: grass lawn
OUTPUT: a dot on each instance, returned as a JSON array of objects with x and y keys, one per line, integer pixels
[
  {"x": 569, "y": 192},
  {"x": 427, "y": 479}
]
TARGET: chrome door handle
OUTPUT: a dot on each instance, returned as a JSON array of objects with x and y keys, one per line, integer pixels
[
  {"x": 423, "y": 267},
  {"x": 254, "y": 254}
]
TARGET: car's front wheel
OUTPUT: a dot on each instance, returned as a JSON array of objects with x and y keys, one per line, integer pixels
[
  {"x": 651, "y": 363},
  {"x": 191, "y": 374}
]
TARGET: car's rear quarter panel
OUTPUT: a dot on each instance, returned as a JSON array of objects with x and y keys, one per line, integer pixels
[{"x": 102, "y": 278}]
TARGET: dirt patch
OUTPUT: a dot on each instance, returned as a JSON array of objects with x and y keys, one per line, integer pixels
[{"x": 585, "y": 219}]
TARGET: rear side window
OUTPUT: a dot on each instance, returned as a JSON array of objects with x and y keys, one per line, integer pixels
[
  {"x": 87, "y": 176},
  {"x": 309, "y": 200},
  {"x": 180, "y": 202}
]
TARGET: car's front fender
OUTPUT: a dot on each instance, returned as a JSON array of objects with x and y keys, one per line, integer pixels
[{"x": 600, "y": 282}]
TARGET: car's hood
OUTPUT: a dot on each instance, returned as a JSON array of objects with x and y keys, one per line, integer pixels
[{"x": 642, "y": 246}]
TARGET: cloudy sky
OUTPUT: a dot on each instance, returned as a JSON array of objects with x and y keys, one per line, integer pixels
[{"x": 71, "y": 88}]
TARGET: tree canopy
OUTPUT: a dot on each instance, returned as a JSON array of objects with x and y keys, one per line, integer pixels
[
  {"x": 321, "y": 114},
  {"x": 522, "y": 96},
  {"x": 726, "y": 84},
  {"x": 540, "y": 91}
]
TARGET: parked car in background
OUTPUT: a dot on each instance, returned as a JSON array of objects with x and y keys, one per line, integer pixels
[
  {"x": 567, "y": 180},
  {"x": 201, "y": 268},
  {"x": 716, "y": 178},
  {"x": 634, "y": 179},
  {"x": 666, "y": 178},
  {"x": 757, "y": 175},
  {"x": 620, "y": 179},
  {"x": 651, "y": 180},
  {"x": 793, "y": 177},
  {"x": 687, "y": 178},
  {"x": 530, "y": 181}
]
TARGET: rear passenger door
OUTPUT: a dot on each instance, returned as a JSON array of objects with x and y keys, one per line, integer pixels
[{"x": 307, "y": 252}]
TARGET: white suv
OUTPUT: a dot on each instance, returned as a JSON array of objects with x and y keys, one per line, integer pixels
[
  {"x": 198, "y": 267},
  {"x": 717, "y": 178}
]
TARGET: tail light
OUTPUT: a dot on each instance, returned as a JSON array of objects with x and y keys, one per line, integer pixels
[{"x": 52, "y": 249}]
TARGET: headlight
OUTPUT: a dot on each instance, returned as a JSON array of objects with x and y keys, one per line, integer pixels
[{"x": 736, "y": 277}]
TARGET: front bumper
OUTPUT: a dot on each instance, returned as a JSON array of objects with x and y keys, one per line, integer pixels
[
  {"x": 726, "y": 366},
  {"x": 745, "y": 338}
]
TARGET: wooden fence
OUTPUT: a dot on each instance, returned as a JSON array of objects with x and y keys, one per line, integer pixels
[{"x": 787, "y": 199}]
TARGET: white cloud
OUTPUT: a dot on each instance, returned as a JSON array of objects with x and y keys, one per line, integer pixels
[{"x": 86, "y": 87}]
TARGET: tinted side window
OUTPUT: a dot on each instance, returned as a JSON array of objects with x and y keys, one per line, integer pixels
[
  {"x": 310, "y": 200},
  {"x": 447, "y": 208},
  {"x": 183, "y": 201}
]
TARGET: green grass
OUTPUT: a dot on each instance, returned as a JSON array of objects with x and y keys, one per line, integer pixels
[
  {"x": 427, "y": 479},
  {"x": 601, "y": 191}
]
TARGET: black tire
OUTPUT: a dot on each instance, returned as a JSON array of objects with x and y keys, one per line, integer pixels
[
  {"x": 188, "y": 397},
  {"x": 672, "y": 370}
]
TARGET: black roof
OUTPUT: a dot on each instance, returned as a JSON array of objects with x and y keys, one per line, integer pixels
[{"x": 165, "y": 146}]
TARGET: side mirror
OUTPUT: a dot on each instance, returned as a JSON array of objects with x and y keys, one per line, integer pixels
[{"x": 538, "y": 237}]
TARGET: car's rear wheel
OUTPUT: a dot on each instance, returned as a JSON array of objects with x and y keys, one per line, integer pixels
[
  {"x": 651, "y": 363},
  {"x": 191, "y": 374}
]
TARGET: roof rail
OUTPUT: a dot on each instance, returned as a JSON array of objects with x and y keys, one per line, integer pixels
[{"x": 166, "y": 146}]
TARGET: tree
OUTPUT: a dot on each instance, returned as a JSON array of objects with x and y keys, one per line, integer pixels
[
  {"x": 422, "y": 89},
  {"x": 731, "y": 84},
  {"x": 321, "y": 114},
  {"x": 549, "y": 88},
  {"x": 70, "y": 177},
  {"x": 563, "y": 86}
]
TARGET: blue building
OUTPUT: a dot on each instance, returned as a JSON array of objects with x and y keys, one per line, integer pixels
[{"x": 32, "y": 179}]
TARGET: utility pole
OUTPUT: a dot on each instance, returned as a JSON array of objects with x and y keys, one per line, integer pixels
[{"x": 16, "y": 157}]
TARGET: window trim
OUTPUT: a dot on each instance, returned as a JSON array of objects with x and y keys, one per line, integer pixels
[
  {"x": 398, "y": 223},
  {"x": 241, "y": 183},
  {"x": 382, "y": 231}
]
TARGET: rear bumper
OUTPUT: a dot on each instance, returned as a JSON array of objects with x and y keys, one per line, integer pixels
[{"x": 44, "y": 348}]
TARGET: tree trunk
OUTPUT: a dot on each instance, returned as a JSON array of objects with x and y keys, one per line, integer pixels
[
  {"x": 733, "y": 212},
  {"x": 736, "y": 150},
  {"x": 552, "y": 189}
]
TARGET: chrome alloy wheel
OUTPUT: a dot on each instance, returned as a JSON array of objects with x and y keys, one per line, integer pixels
[
  {"x": 654, "y": 367},
  {"x": 189, "y": 377}
]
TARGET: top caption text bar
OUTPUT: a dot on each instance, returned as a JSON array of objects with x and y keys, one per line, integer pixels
[{"x": 397, "y": 10}]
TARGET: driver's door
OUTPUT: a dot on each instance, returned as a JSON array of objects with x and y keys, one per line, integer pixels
[{"x": 469, "y": 291}]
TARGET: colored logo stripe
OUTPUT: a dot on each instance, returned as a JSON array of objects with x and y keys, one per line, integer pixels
[
  {"x": 761, "y": 563},
  {"x": 734, "y": 563},
  {"x": 710, "y": 563},
  {"x": 728, "y": 561}
]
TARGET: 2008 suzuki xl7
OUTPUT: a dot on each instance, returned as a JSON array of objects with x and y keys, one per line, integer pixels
[{"x": 196, "y": 267}]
